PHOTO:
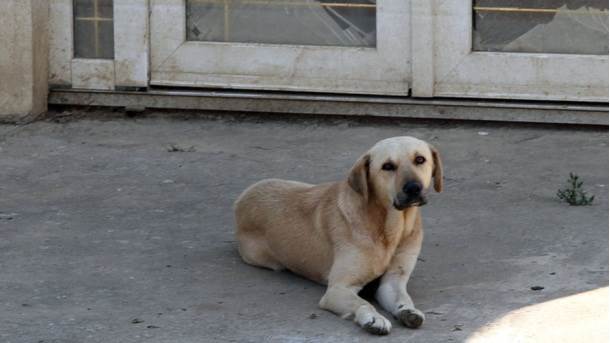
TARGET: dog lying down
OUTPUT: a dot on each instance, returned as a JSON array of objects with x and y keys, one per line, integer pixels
[{"x": 348, "y": 233}]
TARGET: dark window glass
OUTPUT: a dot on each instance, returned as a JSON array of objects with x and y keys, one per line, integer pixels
[
  {"x": 296, "y": 22},
  {"x": 93, "y": 29},
  {"x": 541, "y": 26}
]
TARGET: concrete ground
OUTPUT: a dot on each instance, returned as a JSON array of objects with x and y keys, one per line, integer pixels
[{"x": 121, "y": 230}]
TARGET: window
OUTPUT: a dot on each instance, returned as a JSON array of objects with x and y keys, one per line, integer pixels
[
  {"x": 536, "y": 26},
  {"x": 296, "y": 22},
  {"x": 93, "y": 29}
]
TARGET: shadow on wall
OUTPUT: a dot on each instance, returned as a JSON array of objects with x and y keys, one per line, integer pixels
[{"x": 582, "y": 317}]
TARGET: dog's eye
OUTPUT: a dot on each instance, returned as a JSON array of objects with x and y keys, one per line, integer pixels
[
  {"x": 420, "y": 160},
  {"x": 389, "y": 166}
]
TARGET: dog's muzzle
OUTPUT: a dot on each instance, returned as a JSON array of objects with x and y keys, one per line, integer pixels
[
  {"x": 401, "y": 205},
  {"x": 410, "y": 196}
]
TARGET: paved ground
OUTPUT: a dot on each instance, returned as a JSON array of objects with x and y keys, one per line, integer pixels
[{"x": 102, "y": 227}]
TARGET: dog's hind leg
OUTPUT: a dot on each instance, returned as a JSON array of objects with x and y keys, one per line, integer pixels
[{"x": 254, "y": 251}]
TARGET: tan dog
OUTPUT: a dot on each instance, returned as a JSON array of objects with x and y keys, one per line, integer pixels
[{"x": 346, "y": 234}]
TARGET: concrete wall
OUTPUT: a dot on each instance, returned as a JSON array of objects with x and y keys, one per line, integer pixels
[{"x": 23, "y": 59}]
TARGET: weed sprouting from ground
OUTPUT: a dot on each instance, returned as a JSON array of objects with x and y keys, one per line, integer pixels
[{"x": 573, "y": 194}]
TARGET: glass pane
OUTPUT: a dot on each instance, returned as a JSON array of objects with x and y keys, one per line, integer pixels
[
  {"x": 84, "y": 39},
  {"x": 93, "y": 29},
  {"x": 297, "y": 22},
  {"x": 105, "y": 8},
  {"x": 83, "y": 8},
  {"x": 536, "y": 26}
]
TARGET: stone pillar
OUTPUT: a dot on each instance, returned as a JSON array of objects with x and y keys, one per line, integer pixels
[{"x": 24, "y": 51}]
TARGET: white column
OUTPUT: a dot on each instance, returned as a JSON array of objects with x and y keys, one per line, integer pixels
[{"x": 24, "y": 51}]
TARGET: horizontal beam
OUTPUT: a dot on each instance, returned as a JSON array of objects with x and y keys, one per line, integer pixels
[{"x": 376, "y": 106}]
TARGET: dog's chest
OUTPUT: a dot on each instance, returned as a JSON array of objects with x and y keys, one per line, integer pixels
[
  {"x": 395, "y": 226},
  {"x": 391, "y": 232}
]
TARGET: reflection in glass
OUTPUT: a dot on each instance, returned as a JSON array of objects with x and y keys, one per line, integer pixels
[
  {"x": 297, "y": 22},
  {"x": 537, "y": 26}
]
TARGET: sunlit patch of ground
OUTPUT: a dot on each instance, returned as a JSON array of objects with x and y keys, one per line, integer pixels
[{"x": 581, "y": 317}]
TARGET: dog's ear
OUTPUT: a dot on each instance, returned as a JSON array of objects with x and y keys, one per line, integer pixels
[
  {"x": 437, "y": 172},
  {"x": 358, "y": 178}
]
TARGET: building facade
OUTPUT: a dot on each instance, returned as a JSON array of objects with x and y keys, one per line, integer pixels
[{"x": 405, "y": 50}]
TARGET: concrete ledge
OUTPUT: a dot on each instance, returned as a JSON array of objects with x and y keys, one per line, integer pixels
[
  {"x": 271, "y": 102},
  {"x": 23, "y": 59}
]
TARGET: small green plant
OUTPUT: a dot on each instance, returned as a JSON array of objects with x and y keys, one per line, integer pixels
[{"x": 574, "y": 194}]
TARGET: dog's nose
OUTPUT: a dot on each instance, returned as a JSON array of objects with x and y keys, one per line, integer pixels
[{"x": 412, "y": 188}]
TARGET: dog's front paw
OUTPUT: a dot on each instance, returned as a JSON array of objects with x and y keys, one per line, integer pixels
[
  {"x": 373, "y": 322},
  {"x": 411, "y": 318}
]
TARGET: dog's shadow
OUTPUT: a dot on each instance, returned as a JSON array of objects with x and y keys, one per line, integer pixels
[{"x": 369, "y": 290}]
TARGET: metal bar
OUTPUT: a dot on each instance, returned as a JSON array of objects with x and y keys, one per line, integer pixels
[
  {"x": 96, "y": 30},
  {"x": 374, "y": 106},
  {"x": 93, "y": 19},
  {"x": 226, "y": 20},
  {"x": 290, "y": 3},
  {"x": 535, "y": 10}
]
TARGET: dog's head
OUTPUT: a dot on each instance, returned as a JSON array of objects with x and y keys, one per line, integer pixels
[{"x": 397, "y": 172}]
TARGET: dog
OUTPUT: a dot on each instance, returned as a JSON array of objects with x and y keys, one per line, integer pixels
[{"x": 346, "y": 234}]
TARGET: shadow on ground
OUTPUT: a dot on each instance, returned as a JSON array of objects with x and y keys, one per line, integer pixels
[{"x": 121, "y": 230}]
